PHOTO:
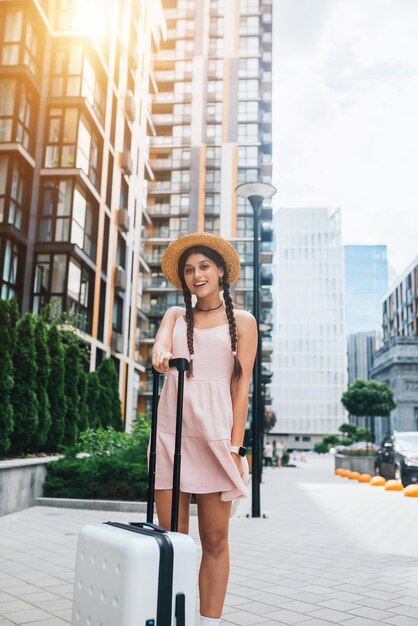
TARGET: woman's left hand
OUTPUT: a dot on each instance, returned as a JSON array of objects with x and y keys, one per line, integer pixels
[{"x": 238, "y": 462}]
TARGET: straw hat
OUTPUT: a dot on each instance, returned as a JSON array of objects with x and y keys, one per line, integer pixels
[{"x": 171, "y": 257}]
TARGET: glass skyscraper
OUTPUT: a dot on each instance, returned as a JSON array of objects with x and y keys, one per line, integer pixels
[{"x": 366, "y": 281}]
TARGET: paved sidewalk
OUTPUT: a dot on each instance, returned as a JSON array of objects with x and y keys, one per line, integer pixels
[{"x": 331, "y": 551}]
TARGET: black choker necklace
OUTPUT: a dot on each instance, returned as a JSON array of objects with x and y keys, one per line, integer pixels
[{"x": 207, "y": 310}]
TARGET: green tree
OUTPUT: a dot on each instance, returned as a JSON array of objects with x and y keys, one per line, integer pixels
[
  {"x": 82, "y": 401},
  {"x": 93, "y": 400},
  {"x": 110, "y": 408},
  {"x": 56, "y": 390},
  {"x": 71, "y": 376},
  {"x": 348, "y": 429},
  {"x": 42, "y": 380},
  {"x": 6, "y": 378},
  {"x": 24, "y": 400},
  {"x": 369, "y": 398}
]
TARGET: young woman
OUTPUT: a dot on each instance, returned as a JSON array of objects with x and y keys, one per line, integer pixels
[{"x": 220, "y": 342}]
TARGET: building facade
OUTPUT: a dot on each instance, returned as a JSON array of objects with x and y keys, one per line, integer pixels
[
  {"x": 74, "y": 117},
  {"x": 360, "y": 353},
  {"x": 396, "y": 363},
  {"x": 309, "y": 358},
  {"x": 366, "y": 282},
  {"x": 211, "y": 121}
]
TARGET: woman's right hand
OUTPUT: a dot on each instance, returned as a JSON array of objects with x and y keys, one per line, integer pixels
[{"x": 160, "y": 361}]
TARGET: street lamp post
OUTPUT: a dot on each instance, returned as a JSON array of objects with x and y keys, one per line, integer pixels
[{"x": 256, "y": 193}]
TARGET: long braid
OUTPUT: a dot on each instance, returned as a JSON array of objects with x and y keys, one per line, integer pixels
[
  {"x": 190, "y": 324},
  {"x": 229, "y": 308}
]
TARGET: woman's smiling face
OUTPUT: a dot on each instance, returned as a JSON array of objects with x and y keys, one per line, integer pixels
[{"x": 201, "y": 275}]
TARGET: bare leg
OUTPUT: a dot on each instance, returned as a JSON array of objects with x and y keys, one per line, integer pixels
[
  {"x": 214, "y": 568},
  {"x": 163, "y": 502}
]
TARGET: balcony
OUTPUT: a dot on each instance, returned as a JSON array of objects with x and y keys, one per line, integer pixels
[
  {"x": 266, "y": 299},
  {"x": 130, "y": 107},
  {"x": 166, "y": 186},
  {"x": 123, "y": 220},
  {"x": 151, "y": 283},
  {"x": 116, "y": 343},
  {"x": 266, "y": 256},
  {"x": 266, "y": 231},
  {"x": 120, "y": 279},
  {"x": 126, "y": 163},
  {"x": 266, "y": 275},
  {"x": 133, "y": 56},
  {"x": 170, "y": 164}
]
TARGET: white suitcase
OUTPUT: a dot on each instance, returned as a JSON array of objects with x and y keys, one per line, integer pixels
[{"x": 138, "y": 574}]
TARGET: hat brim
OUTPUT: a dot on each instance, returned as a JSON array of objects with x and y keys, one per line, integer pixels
[{"x": 171, "y": 257}]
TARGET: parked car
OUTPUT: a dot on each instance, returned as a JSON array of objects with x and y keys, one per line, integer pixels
[{"x": 397, "y": 457}]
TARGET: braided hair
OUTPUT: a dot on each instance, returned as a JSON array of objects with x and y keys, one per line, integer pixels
[{"x": 229, "y": 306}]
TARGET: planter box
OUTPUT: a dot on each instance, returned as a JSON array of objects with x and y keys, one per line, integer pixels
[
  {"x": 362, "y": 464},
  {"x": 21, "y": 482}
]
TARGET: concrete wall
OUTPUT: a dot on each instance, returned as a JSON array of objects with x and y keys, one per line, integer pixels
[{"x": 21, "y": 482}]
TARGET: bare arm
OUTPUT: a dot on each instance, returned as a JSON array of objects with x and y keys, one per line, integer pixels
[
  {"x": 163, "y": 344},
  {"x": 247, "y": 348}
]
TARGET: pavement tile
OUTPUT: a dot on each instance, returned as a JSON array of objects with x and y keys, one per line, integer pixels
[
  {"x": 400, "y": 620},
  {"x": 287, "y": 617},
  {"x": 361, "y": 621},
  {"x": 335, "y": 617},
  {"x": 376, "y": 603},
  {"x": 370, "y": 613},
  {"x": 26, "y": 617},
  {"x": 409, "y": 611},
  {"x": 245, "y": 619},
  {"x": 338, "y": 605}
]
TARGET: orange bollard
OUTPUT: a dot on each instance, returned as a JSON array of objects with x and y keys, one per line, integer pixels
[
  {"x": 353, "y": 475},
  {"x": 377, "y": 481},
  {"x": 339, "y": 471},
  {"x": 411, "y": 491},
  {"x": 394, "y": 485},
  {"x": 364, "y": 478}
]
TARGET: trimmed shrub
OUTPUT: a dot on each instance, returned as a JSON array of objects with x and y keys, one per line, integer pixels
[
  {"x": 111, "y": 414},
  {"x": 42, "y": 380},
  {"x": 93, "y": 400},
  {"x": 82, "y": 401},
  {"x": 6, "y": 378},
  {"x": 24, "y": 400},
  {"x": 56, "y": 392},
  {"x": 99, "y": 477},
  {"x": 71, "y": 376}
]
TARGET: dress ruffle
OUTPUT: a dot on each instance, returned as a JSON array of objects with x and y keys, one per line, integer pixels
[{"x": 206, "y": 467}]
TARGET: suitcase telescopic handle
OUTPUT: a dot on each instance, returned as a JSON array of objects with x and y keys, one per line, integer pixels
[{"x": 182, "y": 365}]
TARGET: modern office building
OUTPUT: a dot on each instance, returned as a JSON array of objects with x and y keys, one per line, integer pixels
[
  {"x": 211, "y": 120},
  {"x": 366, "y": 282},
  {"x": 74, "y": 115},
  {"x": 396, "y": 363},
  {"x": 309, "y": 358},
  {"x": 360, "y": 353}
]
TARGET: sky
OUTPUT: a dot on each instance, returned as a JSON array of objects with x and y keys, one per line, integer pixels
[{"x": 345, "y": 116}]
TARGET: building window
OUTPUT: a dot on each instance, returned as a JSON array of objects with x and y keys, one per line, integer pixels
[
  {"x": 16, "y": 105},
  {"x": 66, "y": 214},
  {"x": 74, "y": 75},
  {"x": 71, "y": 142},
  {"x": 13, "y": 192},
  {"x": 64, "y": 285},
  {"x": 9, "y": 255},
  {"x": 19, "y": 40}
]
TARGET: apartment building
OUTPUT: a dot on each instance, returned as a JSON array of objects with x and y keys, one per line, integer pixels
[
  {"x": 211, "y": 121},
  {"x": 396, "y": 363},
  {"x": 75, "y": 79}
]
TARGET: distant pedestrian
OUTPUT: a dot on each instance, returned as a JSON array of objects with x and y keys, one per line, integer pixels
[
  {"x": 303, "y": 456},
  {"x": 279, "y": 453},
  {"x": 268, "y": 455}
]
